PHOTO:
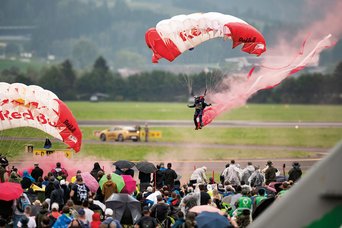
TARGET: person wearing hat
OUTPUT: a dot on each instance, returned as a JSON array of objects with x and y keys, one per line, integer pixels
[
  {"x": 270, "y": 173},
  {"x": 146, "y": 220},
  {"x": 295, "y": 172},
  {"x": 81, "y": 219},
  {"x": 37, "y": 172},
  {"x": 109, "y": 219},
  {"x": 54, "y": 212}
]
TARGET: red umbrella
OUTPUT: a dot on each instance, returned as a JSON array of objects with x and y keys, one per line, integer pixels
[
  {"x": 10, "y": 191},
  {"x": 130, "y": 184}
]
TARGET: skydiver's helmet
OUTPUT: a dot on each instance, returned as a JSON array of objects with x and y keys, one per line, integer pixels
[
  {"x": 3, "y": 161},
  {"x": 198, "y": 98}
]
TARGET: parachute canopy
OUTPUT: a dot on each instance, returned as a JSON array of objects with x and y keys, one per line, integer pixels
[
  {"x": 33, "y": 106},
  {"x": 172, "y": 37}
]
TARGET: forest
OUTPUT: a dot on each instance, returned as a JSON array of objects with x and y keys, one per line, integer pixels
[{"x": 71, "y": 84}]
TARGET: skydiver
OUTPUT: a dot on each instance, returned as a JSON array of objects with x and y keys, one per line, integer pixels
[{"x": 199, "y": 106}]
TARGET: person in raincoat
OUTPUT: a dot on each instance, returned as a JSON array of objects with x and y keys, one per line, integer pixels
[
  {"x": 198, "y": 176},
  {"x": 232, "y": 174},
  {"x": 247, "y": 172}
]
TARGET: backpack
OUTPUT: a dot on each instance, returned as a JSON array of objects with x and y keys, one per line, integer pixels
[
  {"x": 58, "y": 172},
  {"x": 22, "y": 202},
  {"x": 147, "y": 224},
  {"x": 82, "y": 193},
  {"x": 257, "y": 180}
]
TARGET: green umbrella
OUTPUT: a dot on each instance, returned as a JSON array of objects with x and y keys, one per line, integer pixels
[{"x": 117, "y": 179}]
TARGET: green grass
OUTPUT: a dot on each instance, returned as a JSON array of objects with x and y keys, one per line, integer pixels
[
  {"x": 179, "y": 111},
  {"x": 22, "y": 66},
  {"x": 301, "y": 137},
  {"x": 291, "y": 137}
]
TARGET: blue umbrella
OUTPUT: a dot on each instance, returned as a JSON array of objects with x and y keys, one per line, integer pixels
[{"x": 212, "y": 219}]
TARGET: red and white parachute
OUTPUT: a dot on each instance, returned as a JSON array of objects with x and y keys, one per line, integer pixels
[
  {"x": 173, "y": 36},
  {"x": 33, "y": 106}
]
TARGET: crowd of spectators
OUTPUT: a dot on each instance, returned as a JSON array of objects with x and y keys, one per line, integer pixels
[{"x": 55, "y": 199}]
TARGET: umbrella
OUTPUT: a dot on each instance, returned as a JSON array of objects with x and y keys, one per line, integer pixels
[
  {"x": 201, "y": 208},
  {"x": 10, "y": 191},
  {"x": 227, "y": 199},
  {"x": 90, "y": 181},
  {"x": 100, "y": 204},
  {"x": 130, "y": 184},
  {"x": 153, "y": 196},
  {"x": 117, "y": 179},
  {"x": 126, "y": 208},
  {"x": 121, "y": 164},
  {"x": 264, "y": 204},
  {"x": 211, "y": 219},
  {"x": 146, "y": 167}
]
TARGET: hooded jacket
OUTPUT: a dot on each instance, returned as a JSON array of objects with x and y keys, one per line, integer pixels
[
  {"x": 63, "y": 221},
  {"x": 57, "y": 195},
  {"x": 246, "y": 173},
  {"x": 95, "y": 170},
  {"x": 109, "y": 187},
  {"x": 96, "y": 220}
]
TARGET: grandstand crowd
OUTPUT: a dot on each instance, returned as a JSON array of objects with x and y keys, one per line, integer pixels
[{"x": 56, "y": 198}]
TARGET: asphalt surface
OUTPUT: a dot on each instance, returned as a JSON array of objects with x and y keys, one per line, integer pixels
[{"x": 189, "y": 123}]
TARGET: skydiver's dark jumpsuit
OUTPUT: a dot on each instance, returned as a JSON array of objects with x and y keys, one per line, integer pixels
[{"x": 199, "y": 106}]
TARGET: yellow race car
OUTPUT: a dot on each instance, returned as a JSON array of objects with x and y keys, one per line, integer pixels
[{"x": 121, "y": 133}]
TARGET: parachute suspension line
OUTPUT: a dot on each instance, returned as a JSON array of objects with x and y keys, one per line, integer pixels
[{"x": 189, "y": 85}]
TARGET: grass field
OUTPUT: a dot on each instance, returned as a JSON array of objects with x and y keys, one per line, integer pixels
[
  {"x": 290, "y": 137},
  {"x": 22, "y": 66},
  {"x": 179, "y": 111}
]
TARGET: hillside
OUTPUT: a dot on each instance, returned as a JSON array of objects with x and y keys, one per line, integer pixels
[{"x": 82, "y": 30}]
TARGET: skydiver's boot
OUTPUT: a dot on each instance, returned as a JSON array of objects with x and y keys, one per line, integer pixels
[
  {"x": 196, "y": 123},
  {"x": 200, "y": 124}
]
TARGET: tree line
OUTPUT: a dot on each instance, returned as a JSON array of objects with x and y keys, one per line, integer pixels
[{"x": 70, "y": 84}]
